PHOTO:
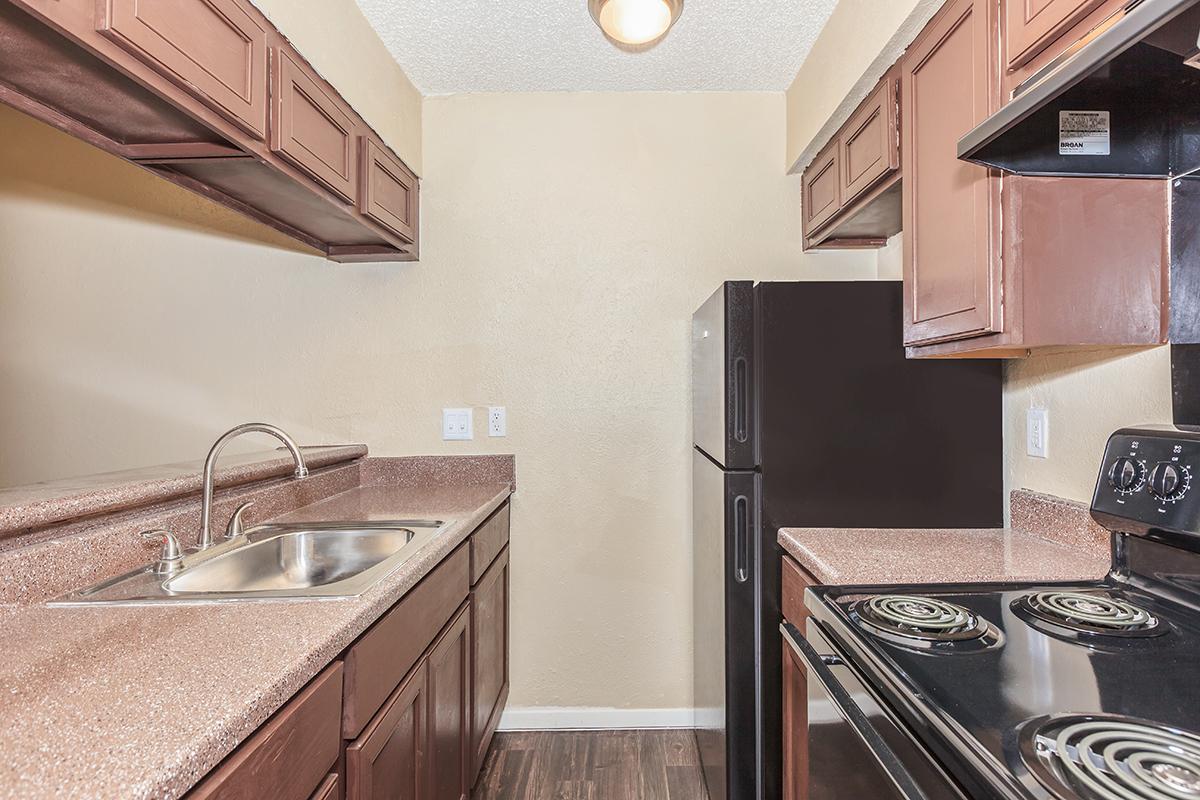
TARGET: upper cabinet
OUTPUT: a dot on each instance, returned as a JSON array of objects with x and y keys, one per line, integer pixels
[
  {"x": 851, "y": 190},
  {"x": 951, "y": 269},
  {"x": 217, "y": 49},
  {"x": 209, "y": 95},
  {"x": 1004, "y": 266}
]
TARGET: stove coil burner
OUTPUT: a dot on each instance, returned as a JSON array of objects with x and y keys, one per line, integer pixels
[
  {"x": 1112, "y": 758},
  {"x": 1090, "y": 612},
  {"x": 921, "y": 618}
]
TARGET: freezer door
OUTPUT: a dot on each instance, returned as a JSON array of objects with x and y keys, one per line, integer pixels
[
  {"x": 725, "y": 524},
  {"x": 723, "y": 376}
]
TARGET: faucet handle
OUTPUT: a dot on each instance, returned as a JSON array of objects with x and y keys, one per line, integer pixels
[
  {"x": 235, "y": 526},
  {"x": 170, "y": 560}
]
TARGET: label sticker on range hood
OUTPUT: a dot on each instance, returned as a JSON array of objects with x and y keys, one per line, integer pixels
[{"x": 1083, "y": 133}]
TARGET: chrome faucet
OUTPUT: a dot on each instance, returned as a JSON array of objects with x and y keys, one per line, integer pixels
[{"x": 210, "y": 465}]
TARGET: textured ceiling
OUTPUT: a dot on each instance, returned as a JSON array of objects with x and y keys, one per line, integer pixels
[{"x": 451, "y": 46}]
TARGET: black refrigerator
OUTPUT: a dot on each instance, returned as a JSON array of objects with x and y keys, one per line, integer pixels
[{"x": 806, "y": 413}]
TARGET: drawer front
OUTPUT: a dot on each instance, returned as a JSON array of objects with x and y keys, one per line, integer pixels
[
  {"x": 389, "y": 194},
  {"x": 795, "y": 581},
  {"x": 289, "y": 756},
  {"x": 310, "y": 125},
  {"x": 1031, "y": 25},
  {"x": 377, "y": 662},
  {"x": 489, "y": 658},
  {"x": 822, "y": 189},
  {"x": 488, "y": 541},
  {"x": 217, "y": 49},
  {"x": 870, "y": 142}
]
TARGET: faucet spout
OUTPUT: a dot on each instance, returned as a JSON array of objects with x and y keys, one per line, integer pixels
[{"x": 210, "y": 465}]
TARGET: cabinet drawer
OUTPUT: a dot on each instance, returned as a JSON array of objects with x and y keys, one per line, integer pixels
[
  {"x": 795, "y": 581},
  {"x": 822, "y": 188},
  {"x": 1031, "y": 25},
  {"x": 216, "y": 49},
  {"x": 381, "y": 657},
  {"x": 869, "y": 142},
  {"x": 289, "y": 756},
  {"x": 389, "y": 193},
  {"x": 488, "y": 541},
  {"x": 310, "y": 125}
]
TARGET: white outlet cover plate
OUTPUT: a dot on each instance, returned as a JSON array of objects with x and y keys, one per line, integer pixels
[
  {"x": 457, "y": 424},
  {"x": 497, "y": 421},
  {"x": 1037, "y": 433}
]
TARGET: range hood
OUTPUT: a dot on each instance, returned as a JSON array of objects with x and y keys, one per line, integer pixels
[{"x": 1123, "y": 102}]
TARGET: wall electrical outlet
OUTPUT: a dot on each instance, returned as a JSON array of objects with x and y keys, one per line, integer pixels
[
  {"x": 497, "y": 421},
  {"x": 1037, "y": 433},
  {"x": 457, "y": 424}
]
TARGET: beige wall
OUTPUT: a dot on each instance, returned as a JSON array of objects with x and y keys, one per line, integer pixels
[
  {"x": 339, "y": 42},
  {"x": 563, "y": 254},
  {"x": 862, "y": 39}
]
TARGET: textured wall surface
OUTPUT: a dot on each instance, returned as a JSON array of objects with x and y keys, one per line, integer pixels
[
  {"x": 862, "y": 39},
  {"x": 1088, "y": 395},
  {"x": 455, "y": 46},
  {"x": 564, "y": 252},
  {"x": 339, "y": 42}
]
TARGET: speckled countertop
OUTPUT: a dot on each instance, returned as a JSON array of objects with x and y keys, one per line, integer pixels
[
  {"x": 141, "y": 702},
  {"x": 1053, "y": 540}
]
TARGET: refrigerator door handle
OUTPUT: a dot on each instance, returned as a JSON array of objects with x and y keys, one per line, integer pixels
[
  {"x": 741, "y": 539},
  {"x": 741, "y": 399}
]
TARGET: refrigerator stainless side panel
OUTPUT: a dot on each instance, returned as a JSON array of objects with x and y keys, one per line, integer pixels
[
  {"x": 723, "y": 374},
  {"x": 724, "y": 541}
]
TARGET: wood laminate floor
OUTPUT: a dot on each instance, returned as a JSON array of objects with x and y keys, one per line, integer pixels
[{"x": 592, "y": 765}]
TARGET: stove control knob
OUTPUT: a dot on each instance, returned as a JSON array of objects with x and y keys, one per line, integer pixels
[
  {"x": 1127, "y": 476},
  {"x": 1168, "y": 481}
]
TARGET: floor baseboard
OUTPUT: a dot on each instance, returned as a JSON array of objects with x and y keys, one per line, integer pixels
[{"x": 552, "y": 718}]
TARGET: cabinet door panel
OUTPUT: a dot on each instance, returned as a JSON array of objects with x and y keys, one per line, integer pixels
[
  {"x": 489, "y": 658},
  {"x": 449, "y": 715},
  {"x": 951, "y": 207},
  {"x": 795, "y": 727},
  {"x": 822, "y": 188},
  {"x": 389, "y": 761},
  {"x": 389, "y": 194},
  {"x": 1031, "y": 25},
  {"x": 311, "y": 126},
  {"x": 870, "y": 142},
  {"x": 215, "y": 48}
]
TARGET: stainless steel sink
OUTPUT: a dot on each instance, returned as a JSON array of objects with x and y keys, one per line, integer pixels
[{"x": 331, "y": 559}]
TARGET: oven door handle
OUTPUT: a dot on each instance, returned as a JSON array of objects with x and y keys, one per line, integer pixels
[{"x": 818, "y": 668}]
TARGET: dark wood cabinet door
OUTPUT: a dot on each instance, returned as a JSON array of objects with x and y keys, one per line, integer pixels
[
  {"x": 822, "y": 191},
  {"x": 390, "y": 760},
  {"x": 1031, "y": 25},
  {"x": 389, "y": 195},
  {"x": 311, "y": 126},
  {"x": 795, "y": 727},
  {"x": 449, "y": 711},
  {"x": 217, "y": 49},
  {"x": 489, "y": 658},
  {"x": 952, "y": 268},
  {"x": 870, "y": 141}
]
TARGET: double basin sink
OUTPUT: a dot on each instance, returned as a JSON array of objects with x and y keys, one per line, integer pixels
[{"x": 309, "y": 560}]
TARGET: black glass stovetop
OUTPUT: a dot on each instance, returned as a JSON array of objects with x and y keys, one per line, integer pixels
[{"x": 970, "y": 701}]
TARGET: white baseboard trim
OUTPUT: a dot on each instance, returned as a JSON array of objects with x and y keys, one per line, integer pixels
[{"x": 555, "y": 718}]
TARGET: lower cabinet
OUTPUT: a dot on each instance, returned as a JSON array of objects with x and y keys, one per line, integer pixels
[
  {"x": 795, "y": 687},
  {"x": 489, "y": 657},
  {"x": 390, "y": 759},
  {"x": 449, "y": 711}
]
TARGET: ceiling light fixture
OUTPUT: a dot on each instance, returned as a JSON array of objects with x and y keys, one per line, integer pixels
[{"x": 635, "y": 24}]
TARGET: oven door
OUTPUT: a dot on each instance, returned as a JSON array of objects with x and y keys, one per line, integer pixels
[{"x": 856, "y": 749}]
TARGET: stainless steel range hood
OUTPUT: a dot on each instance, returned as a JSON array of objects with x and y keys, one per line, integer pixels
[{"x": 1125, "y": 101}]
